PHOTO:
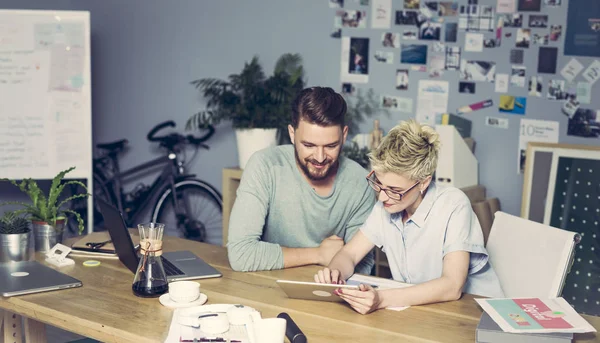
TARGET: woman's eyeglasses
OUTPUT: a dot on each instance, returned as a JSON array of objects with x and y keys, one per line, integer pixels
[{"x": 395, "y": 195}]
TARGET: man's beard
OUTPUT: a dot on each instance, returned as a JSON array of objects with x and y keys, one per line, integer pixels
[{"x": 320, "y": 174}]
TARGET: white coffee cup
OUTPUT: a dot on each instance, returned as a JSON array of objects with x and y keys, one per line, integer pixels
[
  {"x": 184, "y": 291},
  {"x": 269, "y": 330}
]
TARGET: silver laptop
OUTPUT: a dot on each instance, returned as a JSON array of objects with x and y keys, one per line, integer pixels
[
  {"x": 20, "y": 278},
  {"x": 179, "y": 265}
]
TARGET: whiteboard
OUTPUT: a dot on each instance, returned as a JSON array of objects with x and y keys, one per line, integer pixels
[{"x": 45, "y": 95}]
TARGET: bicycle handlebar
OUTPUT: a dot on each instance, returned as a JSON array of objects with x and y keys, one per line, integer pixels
[
  {"x": 157, "y": 128},
  {"x": 174, "y": 138}
]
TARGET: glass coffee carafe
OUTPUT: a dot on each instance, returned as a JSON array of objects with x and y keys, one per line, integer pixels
[{"x": 150, "y": 278}]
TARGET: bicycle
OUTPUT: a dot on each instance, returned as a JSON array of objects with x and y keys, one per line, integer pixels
[{"x": 196, "y": 208}]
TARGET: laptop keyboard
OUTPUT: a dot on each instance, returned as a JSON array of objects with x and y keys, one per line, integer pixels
[{"x": 170, "y": 268}]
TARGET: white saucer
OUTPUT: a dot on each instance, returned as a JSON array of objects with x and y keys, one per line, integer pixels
[{"x": 166, "y": 301}]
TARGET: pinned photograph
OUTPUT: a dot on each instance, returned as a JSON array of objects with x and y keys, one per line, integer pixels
[
  {"x": 438, "y": 47},
  {"x": 552, "y": 3},
  {"x": 517, "y": 76},
  {"x": 555, "y": 32},
  {"x": 429, "y": 30},
  {"x": 452, "y": 58},
  {"x": 513, "y": 105},
  {"x": 538, "y": 21},
  {"x": 570, "y": 107},
  {"x": 539, "y": 39},
  {"x": 451, "y": 32},
  {"x": 511, "y": 19},
  {"x": 384, "y": 56},
  {"x": 410, "y": 34},
  {"x": 500, "y": 123},
  {"x": 395, "y": 103},
  {"x": 448, "y": 9},
  {"x": 390, "y": 40},
  {"x": 348, "y": 89},
  {"x": 556, "y": 90},
  {"x": 478, "y": 18},
  {"x": 523, "y": 38},
  {"x": 506, "y": 6},
  {"x": 477, "y": 71},
  {"x": 402, "y": 79},
  {"x": 516, "y": 56},
  {"x": 584, "y": 123},
  {"x": 490, "y": 43},
  {"x": 336, "y": 3},
  {"x": 406, "y": 18},
  {"x": 430, "y": 5},
  {"x": 354, "y": 19},
  {"x": 547, "y": 60},
  {"x": 466, "y": 87},
  {"x": 413, "y": 53},
  {"x": 436, "y": 66},
  {"x": 529, "y": 5},
  {"x": 412, "y": 4},
  {"x": 536, "y": 86},
  {"x": 474, "y": 42},
  {"x": 355, "y": 60}
]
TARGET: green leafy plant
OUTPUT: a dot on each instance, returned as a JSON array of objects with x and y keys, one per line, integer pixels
[
  {"x": 12, "y": 223},
  {"x": 357, "y": 154},
  {"x": 48, "y": 208},
  {"x": 363, "y": 105},
  {"x": 250, "y": 99}
]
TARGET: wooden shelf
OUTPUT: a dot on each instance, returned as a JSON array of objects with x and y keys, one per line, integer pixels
[{"x": 231, "y": 182}]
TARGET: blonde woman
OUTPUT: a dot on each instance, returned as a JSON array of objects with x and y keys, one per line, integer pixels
[{"x": 430, "y": 234}]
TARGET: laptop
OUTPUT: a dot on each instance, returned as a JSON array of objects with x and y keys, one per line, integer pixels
[
  {"x": 28, "y": 277},
  {"x": 312, "y": 290},
  {"x": 179, "y": 265}
]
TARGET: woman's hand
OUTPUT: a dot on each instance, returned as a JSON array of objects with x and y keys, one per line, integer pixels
[
  {"x": 365, "y": 300},
  {"x": 329, "y": 276}
]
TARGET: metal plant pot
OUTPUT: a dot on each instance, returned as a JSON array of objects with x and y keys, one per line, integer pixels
[
  {"x": 46, "y": 236},
  {"x": 16, "y": 247}
]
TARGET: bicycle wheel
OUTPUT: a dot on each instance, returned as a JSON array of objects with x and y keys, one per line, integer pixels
[{"x": 202, "y": 212}]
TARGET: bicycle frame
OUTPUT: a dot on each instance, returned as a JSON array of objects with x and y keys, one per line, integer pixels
[{"x": 168, "y": 176}]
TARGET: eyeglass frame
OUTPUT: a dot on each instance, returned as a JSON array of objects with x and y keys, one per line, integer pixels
[{"x": 387, "y": 191}]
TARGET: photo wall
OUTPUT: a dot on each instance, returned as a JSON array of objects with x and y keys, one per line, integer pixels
[{"x": 515, "y": 68}]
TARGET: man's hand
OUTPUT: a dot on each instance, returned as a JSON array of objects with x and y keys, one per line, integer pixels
[
  {"x": 363, "y": 301},
  {"x": 328, "y": 248},
  {"x": 329, "y": 276}
]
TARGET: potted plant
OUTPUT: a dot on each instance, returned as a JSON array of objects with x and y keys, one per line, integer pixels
[
  {"x": 14, "y": 238},
  {"x": 258, "y": 107},
  {"x": 46, "y": 212}
]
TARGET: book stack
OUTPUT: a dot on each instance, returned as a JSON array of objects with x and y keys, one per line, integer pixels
[{"x": 490, "y": 332}]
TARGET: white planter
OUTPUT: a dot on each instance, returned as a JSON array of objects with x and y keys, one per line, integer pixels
[{"x": 250, "y": 141}]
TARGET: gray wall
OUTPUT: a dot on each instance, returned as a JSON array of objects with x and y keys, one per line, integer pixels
[{"x": 145, "y": 52}]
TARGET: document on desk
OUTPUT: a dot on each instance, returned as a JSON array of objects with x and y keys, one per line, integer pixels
[{"x": 381, "y": 284}]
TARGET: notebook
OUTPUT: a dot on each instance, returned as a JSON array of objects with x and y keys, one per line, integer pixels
[
  {"x": 178, "y": 265},
  {"x": 489, "y": 332},
  {"x": 20, "y": 278}
]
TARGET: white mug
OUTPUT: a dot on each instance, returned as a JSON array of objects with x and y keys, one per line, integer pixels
[
  {"x": 269, "y": 330},
  {"x": 184, "y": 291}
]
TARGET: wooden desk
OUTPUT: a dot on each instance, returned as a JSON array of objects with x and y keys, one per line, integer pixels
[{"x": 105, "y": 308}]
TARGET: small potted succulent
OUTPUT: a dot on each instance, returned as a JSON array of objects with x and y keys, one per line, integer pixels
[{"x": 14, "y": 238}]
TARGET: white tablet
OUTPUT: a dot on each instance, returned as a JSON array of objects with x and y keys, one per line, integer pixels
[{"x": 312, "y": 290}]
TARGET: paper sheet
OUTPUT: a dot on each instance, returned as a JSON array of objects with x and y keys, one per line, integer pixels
[
  {"x": 432, "y": 100},
  {"x": 501, "y": 83},
  {"x": 544, "y": 131},
  {"x": 382, "y": 284},
  {"x": 571, "y": 70},
  {"x": 381, "y": 14},
  {"x": 592, "y": 73}
]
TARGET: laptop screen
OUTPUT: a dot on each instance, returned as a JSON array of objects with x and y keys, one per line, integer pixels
[{"x": 117, "y": 229}]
